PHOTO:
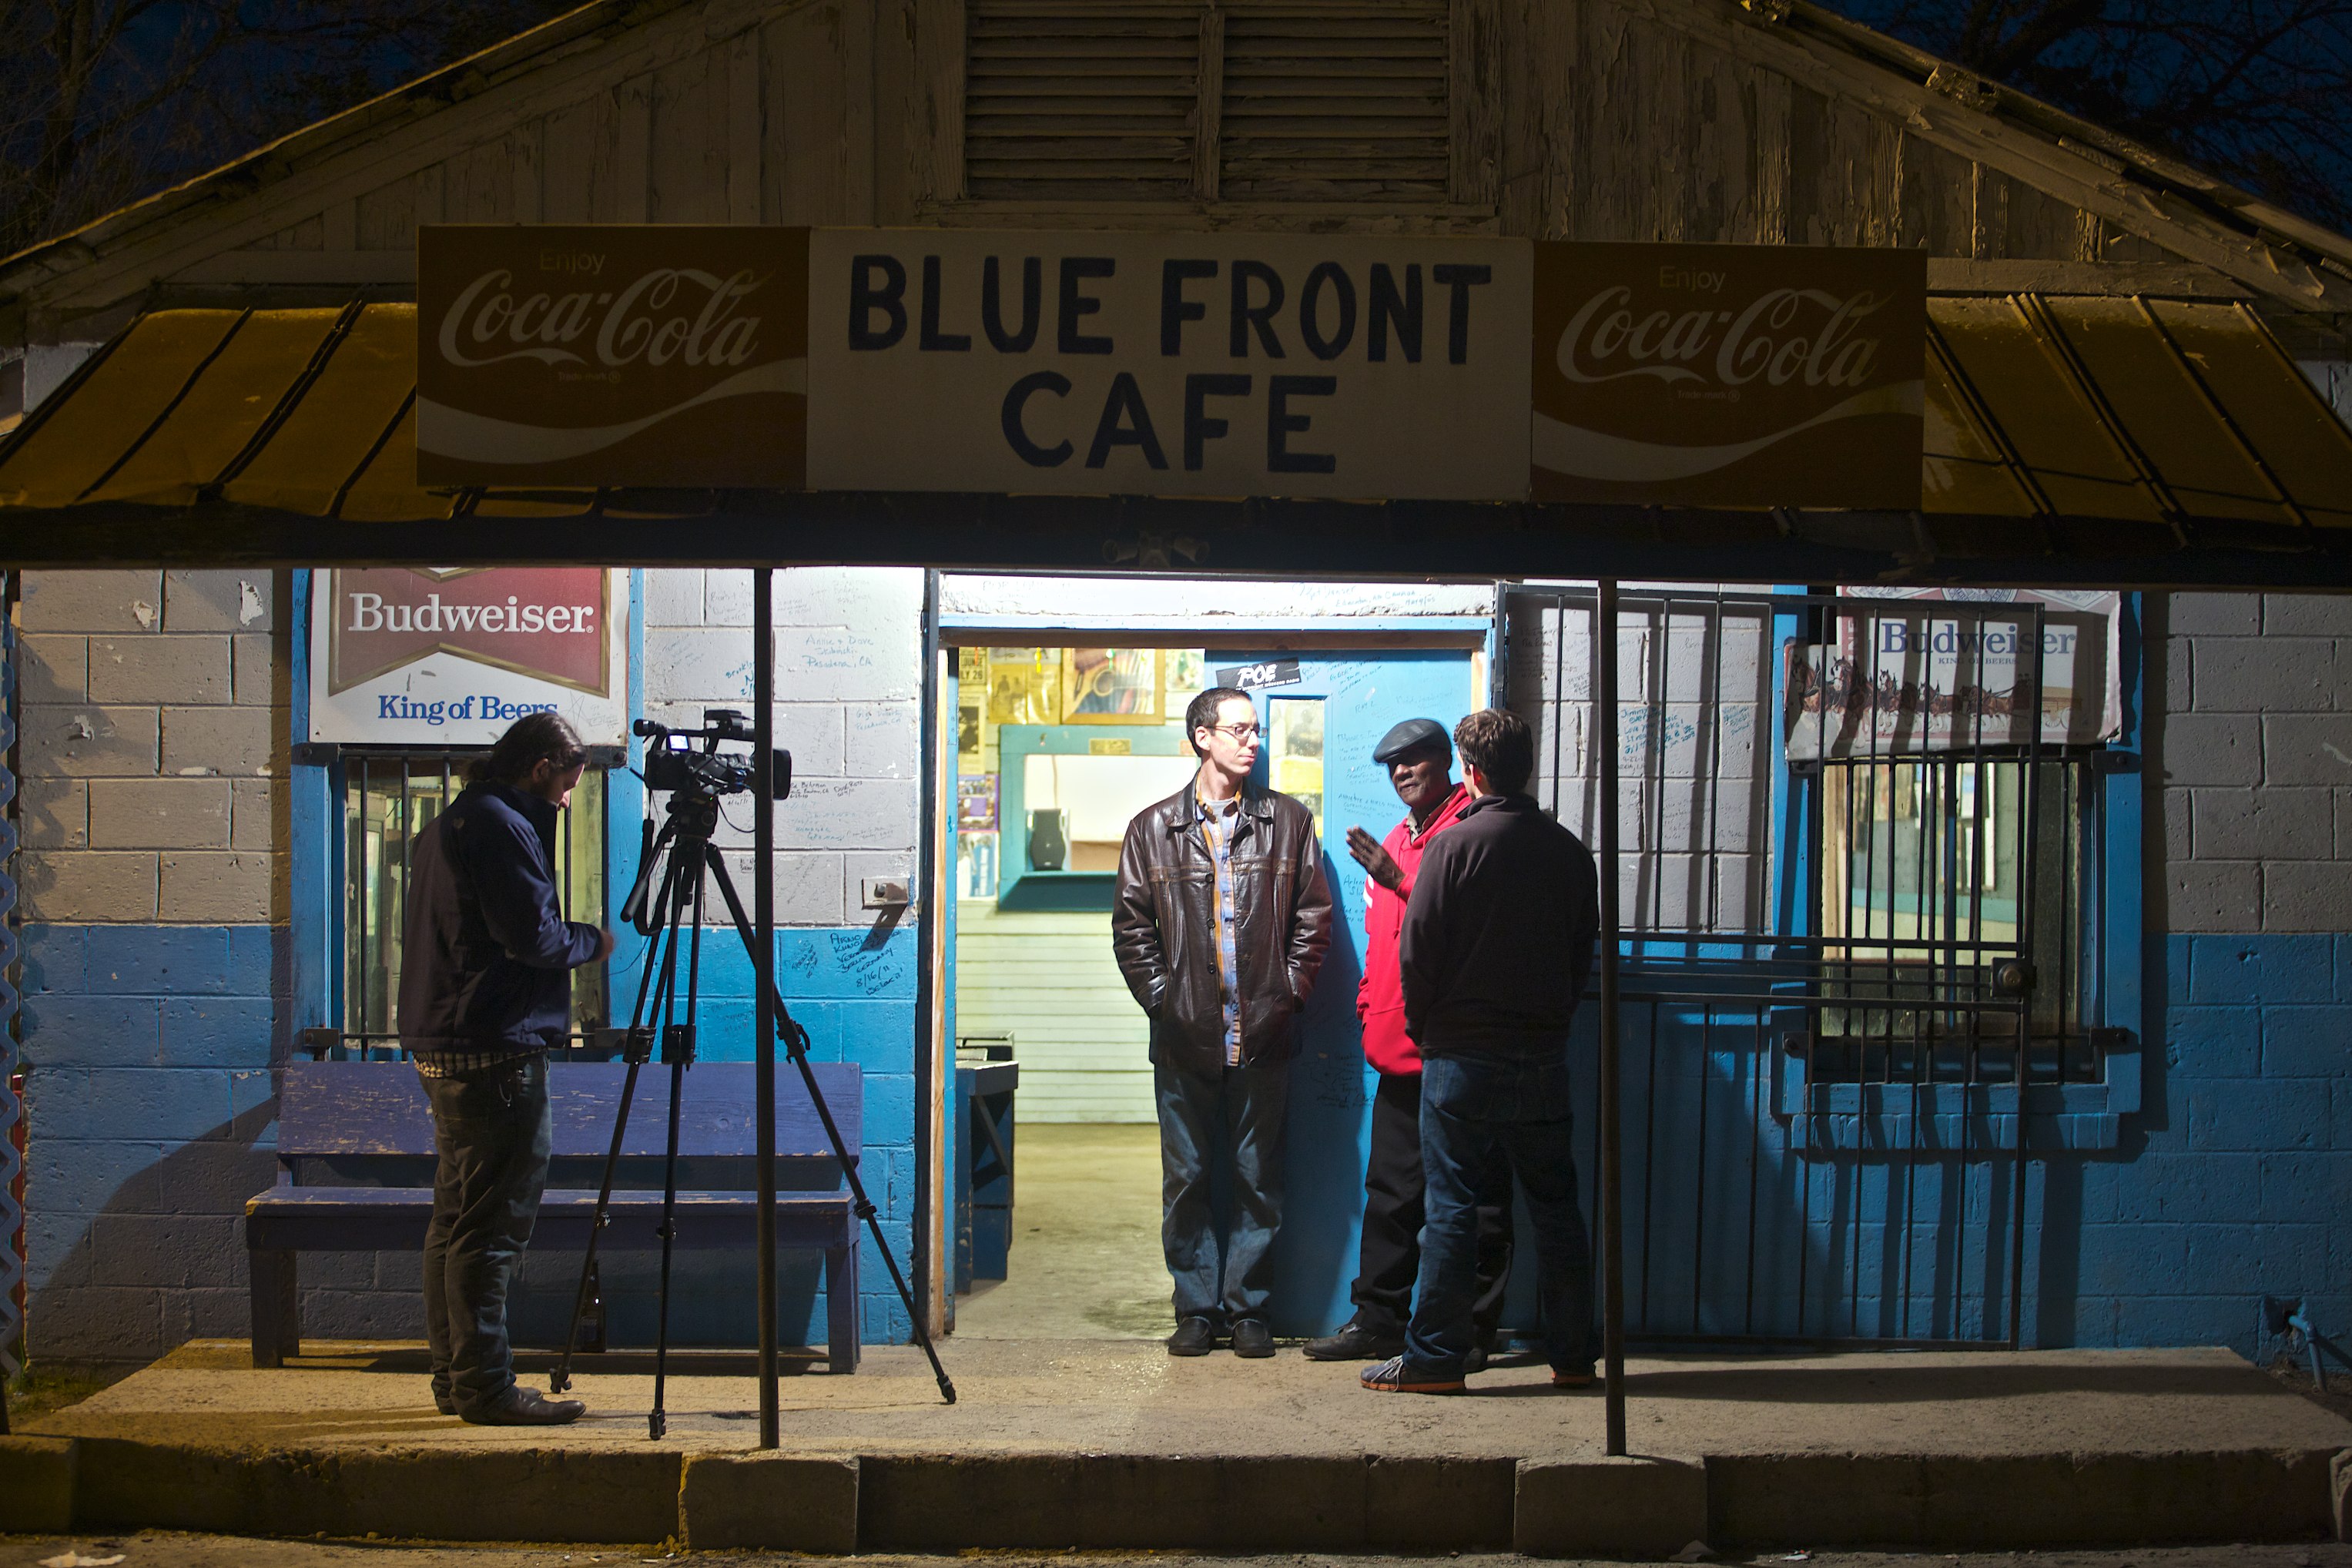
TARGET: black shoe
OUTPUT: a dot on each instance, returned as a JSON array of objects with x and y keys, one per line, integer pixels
[
  {"x": 1353, "y": 1342},
  {"x": 1193, "y": 1336},
  {"x": 1251, "y": 1338},
  {"x": 1473, "y": 1360},
  {"x": 520, "y": 1407},
  {"x": 445, "y": 1401}
]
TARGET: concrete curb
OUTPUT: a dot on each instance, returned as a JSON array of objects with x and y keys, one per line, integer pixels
[
  {"x": 432, "y": 1494},
  {"x": 1646, "y": 1507},
  {"x": 1981, "y": 1502},
  {"x": 1281, "y": 1502},
  {"x": 1609, "y": 1508},
  {"x": 37, "y": 1484},
  {"x": 773, "y": 1502}
]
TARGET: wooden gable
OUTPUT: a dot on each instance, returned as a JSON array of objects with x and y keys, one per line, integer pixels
[{"x": 1744, "y": 120}]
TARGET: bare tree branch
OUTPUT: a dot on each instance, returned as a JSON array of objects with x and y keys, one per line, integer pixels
[
  {"x": 109, "y": 99},
  {"x": 2253, "y": 90}
]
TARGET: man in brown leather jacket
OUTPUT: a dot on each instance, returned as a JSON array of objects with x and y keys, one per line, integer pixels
[{"x": 1220, "y": 921}]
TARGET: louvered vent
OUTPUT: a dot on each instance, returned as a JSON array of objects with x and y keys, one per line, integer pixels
[
  {"x": 1085, "y": 102},
  {"x": 1335, "y": 103}
]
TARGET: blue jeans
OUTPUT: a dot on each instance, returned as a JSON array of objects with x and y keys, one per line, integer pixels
[
  {"x": 492, "y": 1132},
  {"x": 1236, "y": 1118},
  {"x": 1472, "y": 1107}
]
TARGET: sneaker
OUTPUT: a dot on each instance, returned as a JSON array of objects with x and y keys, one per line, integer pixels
[
  {"x": 1193, "y": 1336},
  {"x": 445, "y": 1401},
  {"x": 1251, "y": 1339},
  {"x": 522, "y": 1406},
  {"x": 1393, "y": 1376},
  {"x": 1572, "y": 1376},
  {"x": 1353, "y": 1342}
]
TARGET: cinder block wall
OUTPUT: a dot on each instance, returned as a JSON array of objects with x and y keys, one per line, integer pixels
[
  {"x": 849, "y": 685},
  {"x": 155, "y": 727},
  {"x": 2243, "y": 1179},
  {"x": 153, "y": 868}
]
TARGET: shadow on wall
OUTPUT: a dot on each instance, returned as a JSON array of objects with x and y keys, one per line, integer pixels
[
  {"x": 161, "y": 1261},
  {"x": 1734, "y": 1228}
]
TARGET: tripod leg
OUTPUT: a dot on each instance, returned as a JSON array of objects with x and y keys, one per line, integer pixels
[
  {"x": 560, "y": 1380},
  {"x": 796, "y": 1046},
  {"x": 657, "y": 1422}
]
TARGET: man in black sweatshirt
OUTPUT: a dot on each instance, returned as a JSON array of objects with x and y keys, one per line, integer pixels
[
  {"x": 1496, "y": 945},
  {"x": 485, "y": 990}
]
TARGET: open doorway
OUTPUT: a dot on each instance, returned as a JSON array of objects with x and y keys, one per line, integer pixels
[{"x": 1058, "y": 747}]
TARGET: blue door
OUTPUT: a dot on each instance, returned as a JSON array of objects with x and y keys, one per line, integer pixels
[{"x": 1322, "y": 722}]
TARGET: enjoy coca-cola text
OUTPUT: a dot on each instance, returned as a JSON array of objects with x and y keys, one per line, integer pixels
[
  {"x": 648, "y": 319},
  {"x": 1782, "y": 335}
]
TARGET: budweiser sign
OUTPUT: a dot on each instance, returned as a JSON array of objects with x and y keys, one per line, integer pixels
[
  {"x": 1727, "y": 375},
  {"x": 453, "y": 656},
  {"x": 612, "y": 356}
]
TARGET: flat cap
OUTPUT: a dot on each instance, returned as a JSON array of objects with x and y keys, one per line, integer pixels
[{"x": 1406, "y": 736}]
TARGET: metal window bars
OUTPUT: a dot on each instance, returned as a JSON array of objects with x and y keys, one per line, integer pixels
[
  {"x": 1828, "y": 1030},
  {"x": 389, "y": 797}
]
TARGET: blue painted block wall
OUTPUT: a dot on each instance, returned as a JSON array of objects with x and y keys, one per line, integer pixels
[
  {"x": 2224, "y": 1174},
  {"x": 147, "y": 1092},
  {"x": 2240, "y": 1177},
  {"x": 854, "y": 990},
  {"x": 152, "y": 1112}
]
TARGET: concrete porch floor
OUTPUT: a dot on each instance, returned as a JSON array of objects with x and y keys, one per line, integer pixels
[
  {"x": 1108, "y": 1443},
  {"x": 1128, "y": 1396}
]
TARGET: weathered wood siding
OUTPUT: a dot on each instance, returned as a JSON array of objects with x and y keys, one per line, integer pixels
[{"x": 1606, "y": 119}]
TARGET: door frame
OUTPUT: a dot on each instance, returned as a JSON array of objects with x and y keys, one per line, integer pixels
[{"x": 942, "y": 639}]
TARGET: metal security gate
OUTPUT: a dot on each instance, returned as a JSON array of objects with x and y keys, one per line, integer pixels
[{"x": 1833, "y": 883}]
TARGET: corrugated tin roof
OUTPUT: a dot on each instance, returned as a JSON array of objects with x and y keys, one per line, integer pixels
[{"x": 2125, "y": 409}]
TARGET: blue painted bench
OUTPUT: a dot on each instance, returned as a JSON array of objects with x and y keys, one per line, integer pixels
[{"x": 355, "y": 1141}]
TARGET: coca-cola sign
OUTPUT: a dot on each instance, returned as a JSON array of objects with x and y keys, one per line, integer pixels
[
  {"x": 1365, "y": 366},
  {"x": 574, "y": 354},
  {"x": 1727, "y": 375}
]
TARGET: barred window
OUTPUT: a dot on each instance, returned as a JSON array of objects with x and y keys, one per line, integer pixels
[
  {"x": 388, "y": 797},
  {"x": 1923, "y": 871},
  {"x": 1100, "y": 99}
]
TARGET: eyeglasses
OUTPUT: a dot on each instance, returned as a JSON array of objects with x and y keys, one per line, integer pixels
[{"x": 1239, "y": 732}]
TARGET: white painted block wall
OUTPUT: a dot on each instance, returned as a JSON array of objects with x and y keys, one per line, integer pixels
[{"x": 849, "y": 647}]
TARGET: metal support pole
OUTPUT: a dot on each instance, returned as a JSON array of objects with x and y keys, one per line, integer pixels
[
  {"x": 1612, "y": 1196},
  {"x": 764, "y": 972}
]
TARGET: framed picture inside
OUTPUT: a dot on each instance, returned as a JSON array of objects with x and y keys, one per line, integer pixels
[{"x": 1110, "y": 685}]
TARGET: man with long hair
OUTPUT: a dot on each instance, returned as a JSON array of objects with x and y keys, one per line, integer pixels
[{"x": 485, "y": 990}]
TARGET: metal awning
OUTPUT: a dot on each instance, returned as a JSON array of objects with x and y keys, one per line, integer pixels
[{"x": 2068, "y": 439}]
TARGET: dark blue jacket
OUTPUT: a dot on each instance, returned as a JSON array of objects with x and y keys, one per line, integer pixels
[
  {"x": 485, "y": 954},
  {"x": 1498, "y": 938}
]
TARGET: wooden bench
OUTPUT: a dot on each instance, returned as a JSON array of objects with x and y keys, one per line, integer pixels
[{"x": 355, "y": 1139}]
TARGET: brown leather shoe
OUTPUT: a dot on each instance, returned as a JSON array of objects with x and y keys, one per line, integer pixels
[{"x": 522, "y": 1406}]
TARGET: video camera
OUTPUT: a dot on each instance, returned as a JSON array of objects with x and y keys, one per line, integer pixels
[{"x": 673, "y": 760}]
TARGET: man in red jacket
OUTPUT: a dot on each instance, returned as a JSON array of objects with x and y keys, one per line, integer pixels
[{"x": 1419, "y": 755}]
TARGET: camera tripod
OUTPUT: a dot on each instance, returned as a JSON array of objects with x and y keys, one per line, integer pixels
[{"x": 690, "y": 862}]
